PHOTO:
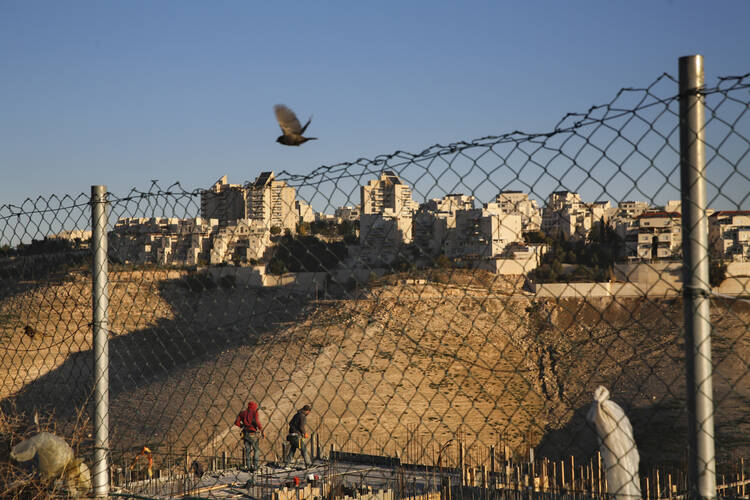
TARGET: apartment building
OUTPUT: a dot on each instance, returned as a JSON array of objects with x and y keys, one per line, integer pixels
[
  {"x": 386, "y": 219},
  {"x": 224, "y": 202},
  {"x": 384, "y": 236},
  {"x": 483, "y": 233},
  {"x": 80, "y": 237},
  {"x": 673, "y": 206},
  {"x": 305, "y": 212},
  {"x": 348, "y": 213},
  {"x": 387, "y": 192},
  {"x": 162, "y": 240},
  {"x": 271, "y": 202},
  {"x": 242, "y": 241},
  {"x": 517, "y": 202},
  {"x": 623, "y": 219},
  {"x": 436, "y": 219},
  {"x": 659, "y": 235},
  {"x": 729, "y": 234},
  {"x": 566, "y": 213}
]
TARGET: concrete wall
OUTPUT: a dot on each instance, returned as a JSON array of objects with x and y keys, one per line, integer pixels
[
  {"x": 738, "y": 269},
  {"x": 256, "y": 276},
  {"x": 660, "y": 279},
  {"x": 243, "y": 276},
  {"x": 588, "y": 290},
  {"x": 305, "y": 281},
  {"x": 514, "y": 266},
  {"x": 656, "y": 278},
  {"x": 734, "y": 286}
]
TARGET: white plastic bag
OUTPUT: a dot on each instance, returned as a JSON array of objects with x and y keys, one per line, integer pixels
[
  {"x": 77, "y": 477},
  {"x": 617, "y": 446},
  {"x": 52, "y": 453}
]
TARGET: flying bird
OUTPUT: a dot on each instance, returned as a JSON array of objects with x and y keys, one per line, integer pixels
[
  {"x": 617, "y": 446},
  {"x": 290, "y": 126}
]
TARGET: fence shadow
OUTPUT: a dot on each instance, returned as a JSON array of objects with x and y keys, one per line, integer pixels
[
  {"x": 660, "y": 432},
  {"x": 158, "y": 374}
]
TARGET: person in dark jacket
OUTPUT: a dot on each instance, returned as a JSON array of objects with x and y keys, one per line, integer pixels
[
  {"x": 252, "y": 430},
  {"x": 297, "y": 435}
]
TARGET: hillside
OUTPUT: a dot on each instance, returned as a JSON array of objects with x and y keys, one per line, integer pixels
[{"x": 398, "y": 365}]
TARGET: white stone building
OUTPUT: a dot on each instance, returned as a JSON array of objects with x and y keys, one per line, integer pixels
[
  {"x": 224, "y": 202},
  {"x": 566, "y": 213},
  {"x": 349, "y": 213},
  {"x": 385, "y": 235},
  {"x": 81, "y": 235},
  {"x": 387, "y": 192},
  {"x": 386, "y": 220},
  {"x": 305, "y": 212},
  {"x": 272, "y": 203},
  {"x": 327, "y": 218},
  {"x": 729, "y": 234},
  {"x": 659, "y": 235},
  {"x": 624, "y": 220},
  {"x": 436, "y": 219},
  {"x": 242, "y": 241},
  {"x": 516, "y": 202},
  {"x": 673, "y": 206},
  {"x": 162, "y": 240},
  {"x": 483, "y": 233}
]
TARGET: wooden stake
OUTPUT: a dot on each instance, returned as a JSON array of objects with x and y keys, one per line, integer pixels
[
  {"x": 554, "y": 478},
  {"x": 669, "y": 486},
  {"x": 461, "y": 463},
  {"x": 658, "y": 485},
  {"x": 562, "y": 473},
  {"x": 572, "y": 473},
  {"x": 582, "y": 476},
  {"x": 742, "y": 475}
]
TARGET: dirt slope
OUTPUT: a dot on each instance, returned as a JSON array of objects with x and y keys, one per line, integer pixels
[{"x": 401, "y": 367}]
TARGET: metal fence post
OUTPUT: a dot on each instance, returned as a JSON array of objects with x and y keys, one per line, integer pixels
[
  {"x": 696, "y": 287},
  {"x": 100, "y": 298}
]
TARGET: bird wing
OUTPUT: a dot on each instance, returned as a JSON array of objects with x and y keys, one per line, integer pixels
[
  {"x": 305, "y": 127},
  {"x": 287, "y": 120}
]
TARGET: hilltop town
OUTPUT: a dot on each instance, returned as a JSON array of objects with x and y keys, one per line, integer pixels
[{"x": 240, "y": 225}]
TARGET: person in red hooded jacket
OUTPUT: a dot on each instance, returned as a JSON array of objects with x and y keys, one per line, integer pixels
[{"x": 252, "y": 430}]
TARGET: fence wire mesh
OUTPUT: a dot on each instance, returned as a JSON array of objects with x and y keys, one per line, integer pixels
[{"x": 447, "y": 315}]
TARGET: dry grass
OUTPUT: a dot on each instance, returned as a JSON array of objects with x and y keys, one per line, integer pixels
[{"x": 20, "y": 481}]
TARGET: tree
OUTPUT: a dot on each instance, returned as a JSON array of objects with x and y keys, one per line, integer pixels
[
  {"x": 535, "y": 237},
  {"x": 303, "y": 228},
  {"x": 306, "y": 254},
  {"x": 442, "y": 261}
]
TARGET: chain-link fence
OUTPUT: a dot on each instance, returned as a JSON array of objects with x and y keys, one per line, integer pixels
[{"x": 448, "y": 317}]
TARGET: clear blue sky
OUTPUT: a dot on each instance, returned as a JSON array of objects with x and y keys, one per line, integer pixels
[{"x": 122, "y": 92}]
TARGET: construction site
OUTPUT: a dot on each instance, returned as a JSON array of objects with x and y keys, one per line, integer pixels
[{"x": 344, "y": 475}]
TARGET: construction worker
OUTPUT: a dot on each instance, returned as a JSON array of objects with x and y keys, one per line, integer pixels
[
  {"x": 252, "y": 431},
  {"x": 297, "y": 435}
]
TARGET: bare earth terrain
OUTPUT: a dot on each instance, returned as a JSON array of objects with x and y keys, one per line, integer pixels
[{"x": 396, "y": 367}]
